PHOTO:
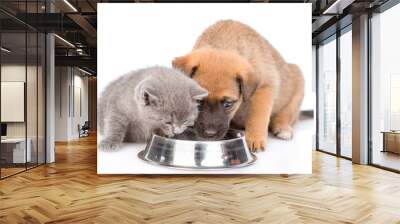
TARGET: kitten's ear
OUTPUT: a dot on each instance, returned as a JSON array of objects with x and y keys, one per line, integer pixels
[
  {"x": 146, "y": 95},
  {"x": 149, "y": 98},
  {"x": 198, "y": 93}
]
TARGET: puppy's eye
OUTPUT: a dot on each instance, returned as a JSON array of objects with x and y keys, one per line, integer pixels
[
  {"x": 193, "y": 72},
  {"x": 188, "y": 124},
  {"x": 200, "y": 104},
  {"x": 227, "y": 104}
]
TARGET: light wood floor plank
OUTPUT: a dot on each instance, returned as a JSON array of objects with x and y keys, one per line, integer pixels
[{"x": 70, "y": 191}]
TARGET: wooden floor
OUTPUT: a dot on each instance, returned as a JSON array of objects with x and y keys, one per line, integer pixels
[
  {"x": 10, "y": 171},
  {"x": 70, "y": 191},
  {"x": 388, "y": 159}
]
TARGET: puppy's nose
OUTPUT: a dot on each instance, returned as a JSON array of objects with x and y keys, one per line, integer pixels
[
  {"x": 177, "y": 130},
  {"x": 169, "y": 134},
  {"x": 211, "y": 132}
]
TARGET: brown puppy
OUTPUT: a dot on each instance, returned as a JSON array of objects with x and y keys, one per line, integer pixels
[{"x": 250, "y": 85}]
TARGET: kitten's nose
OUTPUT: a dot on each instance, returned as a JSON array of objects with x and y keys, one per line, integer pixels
[{"x": 211, "y": 132}]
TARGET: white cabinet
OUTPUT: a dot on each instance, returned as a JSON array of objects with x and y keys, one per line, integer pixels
[{"x": 16, "y": 147}]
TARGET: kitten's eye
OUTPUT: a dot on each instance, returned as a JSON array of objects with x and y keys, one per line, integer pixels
[
  {"x": 146, "y": 99},
  {"x": 227, "y": 104},
  {"x": 168, "y": 122}
]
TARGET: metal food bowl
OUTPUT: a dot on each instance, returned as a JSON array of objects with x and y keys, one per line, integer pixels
[{"x": 232, "y": 152}]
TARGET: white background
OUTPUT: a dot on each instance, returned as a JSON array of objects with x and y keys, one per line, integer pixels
[{"x": 133, "y": 36}]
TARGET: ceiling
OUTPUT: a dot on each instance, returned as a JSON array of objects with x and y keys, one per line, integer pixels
[{"x": 76, "y": 22}]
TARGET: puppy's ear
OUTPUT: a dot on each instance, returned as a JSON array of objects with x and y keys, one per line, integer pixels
[
  {"x": 181, "y": 63},
  {"x": 184, "y": 64},
  {"x": 246, "y": 83},
  {"x": 239, "y": 81}
]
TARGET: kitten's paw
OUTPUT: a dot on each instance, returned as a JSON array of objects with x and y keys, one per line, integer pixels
[
  {"x": 256, "y": 143},
  {"x": 108, "y": 146}
]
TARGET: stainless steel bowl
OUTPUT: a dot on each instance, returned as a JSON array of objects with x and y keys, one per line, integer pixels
[{"x": 229, "y": 153}]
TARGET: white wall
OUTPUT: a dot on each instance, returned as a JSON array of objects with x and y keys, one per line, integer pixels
[
  {"x": 82, "y": 82},
  {"x": 61, "y": 103},
  {"x": 79, "y": 117},
  {"x": 170, "y": 30},
  {"x": 69, "y": 82}
]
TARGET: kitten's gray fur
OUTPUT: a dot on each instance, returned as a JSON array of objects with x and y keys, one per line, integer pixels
[{"x": 145, "y": 101}]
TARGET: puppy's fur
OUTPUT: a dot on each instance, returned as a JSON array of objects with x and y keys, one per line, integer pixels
[{"x": 237, "y": 65}]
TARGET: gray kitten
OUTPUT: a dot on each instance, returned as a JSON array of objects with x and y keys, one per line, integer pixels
[{"x": 151, "y": 100}]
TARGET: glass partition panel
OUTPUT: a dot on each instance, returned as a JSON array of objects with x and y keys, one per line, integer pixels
[
  {"x": 41, "y": 78},
  {"x": 346, "y": 94},
  {"x": 327, "y": 96},
  {"x": 385, "y": 89},
  {"x": 32, "y": 96},
  {"x": 22, "y": 77},
  {"x": 14, "y": 153}
]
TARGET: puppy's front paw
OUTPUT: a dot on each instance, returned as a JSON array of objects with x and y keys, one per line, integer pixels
[
  {"x": 108, "y": 146},
  {"x": 285, "y": 133},
  {"x": 256, "y": 143}
]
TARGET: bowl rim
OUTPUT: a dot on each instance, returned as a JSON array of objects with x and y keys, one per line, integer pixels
[
  {"x": 216, "y": 168},
  {"x": 242, "y": 137},
  {"x": 142, "y": 153}
]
